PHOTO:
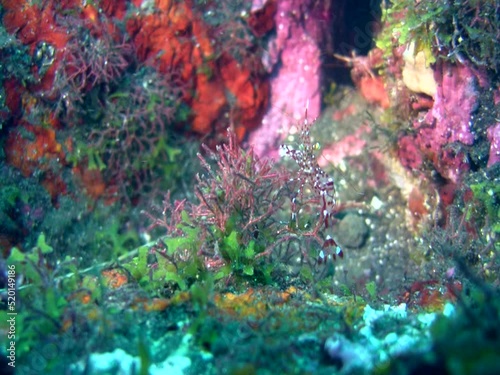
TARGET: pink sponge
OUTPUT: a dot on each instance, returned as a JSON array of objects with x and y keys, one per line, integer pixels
[
  {"x": 293, "y": 59},
  {"x": 448, "y": 123},
  {"x": 494, "y": 138}
]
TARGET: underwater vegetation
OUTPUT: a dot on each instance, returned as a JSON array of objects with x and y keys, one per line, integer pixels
[
  {"x": 185, "y": 190},
  {"x": 217, "y": 269},
  {"x": 98, "y": 99},
  {"x": 458, "y": 30}
]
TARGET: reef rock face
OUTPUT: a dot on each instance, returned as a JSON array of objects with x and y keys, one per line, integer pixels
[
  {"x": 190, "y": 66},
  {"x": 293, "y": 60},
  {"x": 178, "y": 36},
  {"x": 448, "y": 124}
]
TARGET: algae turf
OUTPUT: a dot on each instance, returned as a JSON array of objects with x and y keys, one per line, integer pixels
[{"x": 457, "y": 30}]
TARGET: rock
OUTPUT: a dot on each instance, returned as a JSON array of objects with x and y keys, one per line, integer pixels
[
  {"x": 352, "y": 231},
  {"x": 418, "y": 75}
]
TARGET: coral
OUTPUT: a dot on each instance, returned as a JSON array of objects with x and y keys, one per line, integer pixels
[
  {"x": 455, "y": 101},
  {"x": 442, "y": 50},
  {"x": 352, "y": 357}
]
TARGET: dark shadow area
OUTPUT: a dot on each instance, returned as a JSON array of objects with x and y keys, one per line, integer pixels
[{"x": 353, "y": 27}]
